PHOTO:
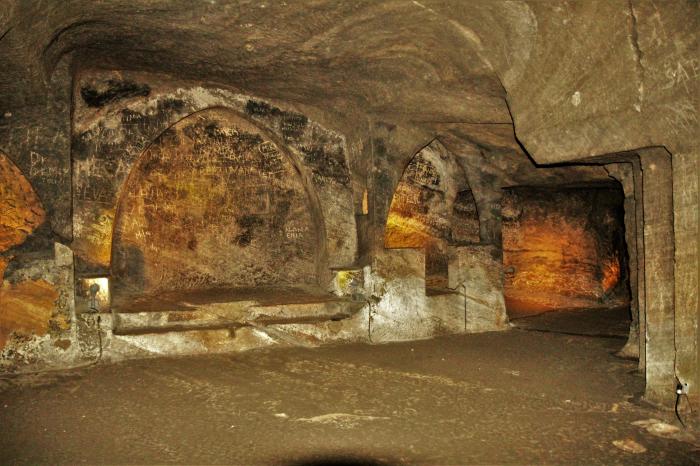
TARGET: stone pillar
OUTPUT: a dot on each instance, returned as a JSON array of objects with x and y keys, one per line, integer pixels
[
  {"x": 624, "y": 173},
  {"x": 659, "y": 268},
  {"x": 488, "y": 196},
  {"x": 641, "y": 270},
  {"x": 685, "y": 209},
  {"x": 490, "y": 221},
  {"x": 476, "y": 273}
]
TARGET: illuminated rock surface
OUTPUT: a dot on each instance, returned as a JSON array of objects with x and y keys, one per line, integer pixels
[
  {"x": 27, "y": 306},
  {"x": 213, "y": 203},
  {"x": 563, "y": 250},
  {"x": 21, "y": 209}
]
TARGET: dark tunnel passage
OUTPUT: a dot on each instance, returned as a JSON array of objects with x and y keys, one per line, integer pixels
[{"x": 564, "y": 249}]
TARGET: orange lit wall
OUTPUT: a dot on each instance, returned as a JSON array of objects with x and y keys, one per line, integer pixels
[
  {"x": 428, "y": 212},
  {"x": 25, "y": 307},
  {"x": 418, "y": 215},
  {"x": 213, "y": 203},
  {"x": 21, "y": 211},
  {"x": 563, "y": 249},
  {"x": 427, "y": 209}
]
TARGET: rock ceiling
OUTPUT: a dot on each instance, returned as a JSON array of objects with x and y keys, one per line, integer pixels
[{"x": 577, "y": 78}]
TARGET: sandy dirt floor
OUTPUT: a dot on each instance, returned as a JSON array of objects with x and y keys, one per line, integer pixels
[{"x": 524, "y": 396}]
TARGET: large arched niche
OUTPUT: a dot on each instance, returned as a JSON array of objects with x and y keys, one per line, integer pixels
[
  {"x": 108, "y": 141},
  {"x": 432, "y": 208},
  {"x": 214, "y": 202}
]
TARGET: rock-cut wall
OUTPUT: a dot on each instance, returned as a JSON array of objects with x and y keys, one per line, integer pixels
[
  {"x": 213, "y": 202},
  {"x": 118, "y": 116},
  {"x": 564, "y": 249}
]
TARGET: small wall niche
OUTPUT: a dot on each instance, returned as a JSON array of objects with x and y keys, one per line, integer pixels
[{"x": 432, "y": 209}]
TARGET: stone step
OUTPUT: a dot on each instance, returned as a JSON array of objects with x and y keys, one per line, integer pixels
[
  {"x": 179, "y": 327},
  {"x": 338, "y": 309},
  {"x": 233, "y": 315},
  {"x": 191, "y": 341}
]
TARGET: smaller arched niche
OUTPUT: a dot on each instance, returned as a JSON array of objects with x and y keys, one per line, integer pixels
[
  {"x": 214, "y": 203},
  {"x": 432, "y": 208}
]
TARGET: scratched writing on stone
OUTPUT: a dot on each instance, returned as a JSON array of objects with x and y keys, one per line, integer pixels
[
  {"x": 681, "y": 72},
  {"x": 45, "y": 169}
]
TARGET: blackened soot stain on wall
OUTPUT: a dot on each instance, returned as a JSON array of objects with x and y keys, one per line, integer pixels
[{"x": 114, "y": 90}]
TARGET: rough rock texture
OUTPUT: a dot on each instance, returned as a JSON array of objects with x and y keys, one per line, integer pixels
[
  {"x": 26, "y": 303},
  {"x": 401, "y": 310},
  {"x": 37, "y": 314},
  {"x": 564, "y": 249},
  {"x": 423, "y": 203},
  {"x": 27, "y": 308},
  {"x": 625, "y": 174},
  {"x": 430, "y": 209},
  {"x": 659, "y": 268},
  {"x": 576, "y": 82},
  {"x": 21, "y": 211},
  {"x": 109, "y": 140},
  {"x": 477, "y": 275},
  {"x": 213, "y": 203}
]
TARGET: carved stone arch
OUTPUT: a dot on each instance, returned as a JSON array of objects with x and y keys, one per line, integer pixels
[
  {"x": 109, "y": 140},
  {"x": 432, "y": 168},
  {"x": 214, "y": 202},
  {"x": 422, "y": 211}
]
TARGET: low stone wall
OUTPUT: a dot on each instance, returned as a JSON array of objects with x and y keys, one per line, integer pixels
[
  {"x": 37, "y": 318},
  {"x": 403, "y": 311},
  {"x": 388, "y": 304}
]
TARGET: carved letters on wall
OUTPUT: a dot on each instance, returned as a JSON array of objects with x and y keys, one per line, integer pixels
[
  {"x": 426, "y": 207},
  {"x": 213, "y": 203},
  {"x": 111, "y": 134}
]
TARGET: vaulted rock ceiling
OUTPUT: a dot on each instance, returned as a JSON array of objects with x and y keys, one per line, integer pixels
[{"x": 427, "y": 63}]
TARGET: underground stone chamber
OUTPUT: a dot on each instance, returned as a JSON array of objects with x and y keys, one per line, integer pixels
[
  {"x": 219, "y": 177},
  {"x": 564, "y": 249}
]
